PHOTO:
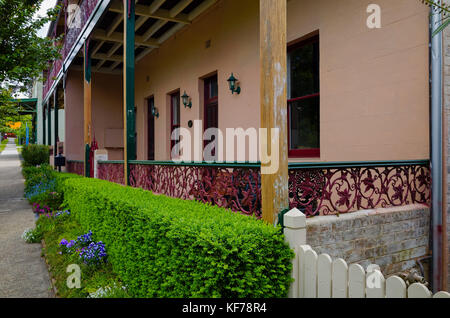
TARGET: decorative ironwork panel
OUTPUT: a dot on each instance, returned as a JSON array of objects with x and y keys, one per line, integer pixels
[
  {"x": 111, "y": 172},
  {"x": 237, "y": 189},
  {"x": 75, "y": 20},
  {"x": 76, "y": 167},
  {"x": 317, "y": 190},
  {"x": 325, "y": 191}
]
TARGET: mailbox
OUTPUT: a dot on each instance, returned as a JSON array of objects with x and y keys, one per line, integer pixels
[{"x": 60, "y": 161}]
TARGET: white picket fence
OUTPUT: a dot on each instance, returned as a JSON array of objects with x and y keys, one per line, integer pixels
[{"x": 318, "y": 276}]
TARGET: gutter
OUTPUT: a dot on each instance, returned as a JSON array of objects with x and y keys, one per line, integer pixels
[{"x": 436, "y": 152}]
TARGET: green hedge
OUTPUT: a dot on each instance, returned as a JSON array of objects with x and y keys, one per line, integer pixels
[
  {"x": 35, "y": 155},
  {"x": 165, "y": 247}
]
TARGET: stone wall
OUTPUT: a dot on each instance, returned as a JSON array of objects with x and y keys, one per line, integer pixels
[{"x": 393, "y": 238}]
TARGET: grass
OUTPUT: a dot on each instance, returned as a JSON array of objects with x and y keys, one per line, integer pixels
[
  {"x": 92, "y": 278},
  {"x": 3, "y": 145}
]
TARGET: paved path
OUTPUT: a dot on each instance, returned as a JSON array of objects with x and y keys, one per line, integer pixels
[{"x": 23, "y": 272}]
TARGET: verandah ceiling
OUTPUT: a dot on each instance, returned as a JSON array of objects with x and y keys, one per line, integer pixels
[{"x": 156, "y": 22}]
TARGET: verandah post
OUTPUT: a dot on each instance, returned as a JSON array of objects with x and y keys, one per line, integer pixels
[
  {"x": 128, "y": 79},
  {"x": 87, "y": 89},
  {"x": 49, "y": 123},
  {"x": 273, "y": 68},
  {"x": 55, "y": 102},
  {"x": 44, "y": 141}
]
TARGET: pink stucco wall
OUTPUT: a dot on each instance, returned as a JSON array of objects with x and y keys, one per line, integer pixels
[
  {"x": 73, "y": 146},
  {"x": 232, "y": 27},
  {"x": 106, "y": 112},
  {"x": 374, "y": 83}
]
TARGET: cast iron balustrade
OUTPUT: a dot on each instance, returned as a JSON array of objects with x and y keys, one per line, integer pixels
[
  {"x": 75, "y": 166},
  {"x": 75, "y": 23},
  {"x": 314, "y": 188}
]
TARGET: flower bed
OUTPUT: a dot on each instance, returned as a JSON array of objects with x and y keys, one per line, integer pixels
[
  {"x": 65, "y": 243},
  {"x": 164, "y": 247}
]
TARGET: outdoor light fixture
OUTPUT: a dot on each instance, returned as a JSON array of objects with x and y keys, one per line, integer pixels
[
  {"x": 232, "y": 81},
  {"x": 155, "y": 112},
  {"x": 186, "y": 100}
]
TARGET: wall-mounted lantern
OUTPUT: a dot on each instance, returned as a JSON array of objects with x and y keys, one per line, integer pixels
[
  {"x": 186, "y": 100},
  {"x": 155, "y": 112},
  {"x": 234, "y": 87}
]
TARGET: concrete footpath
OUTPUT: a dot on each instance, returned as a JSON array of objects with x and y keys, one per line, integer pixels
[{"x": 23, "y": 273}]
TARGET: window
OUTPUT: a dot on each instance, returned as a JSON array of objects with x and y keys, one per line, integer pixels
[
  {"x": 151, "y": 129},
  {"x": 211, "y": 112},
  {"x": 304, "y": 99},
  {"x": 174, "y": 122}
]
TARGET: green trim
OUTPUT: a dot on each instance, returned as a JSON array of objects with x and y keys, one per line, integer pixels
[
  {"x": 317, "y": 165},
  {"x": 292, "y": 166},
  {"x": 87, "y": 167},
  {"x": 24, "y": 100},
  {"x": 129, "y": 82},
  {"x": 49, "y": 124},
  {"x": 75, "y": 161}
]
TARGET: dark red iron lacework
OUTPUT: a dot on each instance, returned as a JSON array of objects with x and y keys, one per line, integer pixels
[
  {"x": 75, "y": 167},
  {"x": 235, "y": 188},
  {"x": 343, "y": 190},
  {"x": 77, "y": 21},
  {"x": 111, "y": 172},
  {"x": 318, "y": 191}
]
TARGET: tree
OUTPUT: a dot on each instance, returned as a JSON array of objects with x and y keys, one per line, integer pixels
[
  {"x": 443, "y": 9},
  {"x": 23, "y": 54}
]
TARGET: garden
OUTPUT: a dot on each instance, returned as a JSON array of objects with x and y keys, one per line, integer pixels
[{"x": 129, "y": 242}]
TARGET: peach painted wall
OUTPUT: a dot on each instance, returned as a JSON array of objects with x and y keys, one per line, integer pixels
[
  {"x": 233, "y": 28},
  {"x": 106, "y": 112},
  {"x": 74, "y": 112},
  {"x": 374, "y": 83}
]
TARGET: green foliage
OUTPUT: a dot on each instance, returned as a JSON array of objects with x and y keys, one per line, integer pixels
[
  {"x": 35, "y": 155},
  {"x": 92, "y": 279},
  {"x": 32, "y": 236},
  {"x": 165, "y": 247},
  {"x": 45, "y": 186},
  {"x": 24, "y": 55},
  {"x": 442, "y": 9}
]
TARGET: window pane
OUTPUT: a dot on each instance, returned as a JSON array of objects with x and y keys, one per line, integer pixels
[
  {"x": 304, "y": 70},
  {"x": 213, "y": 88},
  {"x": 304, "y": 124},
  {"x": 175, "y": 110}
]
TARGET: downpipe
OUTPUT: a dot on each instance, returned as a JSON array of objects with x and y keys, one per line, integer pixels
[{"x": 436, "y": 134}]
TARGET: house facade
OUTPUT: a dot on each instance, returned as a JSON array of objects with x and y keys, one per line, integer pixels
[{"x": 351, "y": 100}]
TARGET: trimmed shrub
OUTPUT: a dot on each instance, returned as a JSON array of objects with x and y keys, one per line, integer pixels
[
  {"x": 44, "y": 185},
  {"x": 171, "y": 248},
  {"x": 35, "y": 155}
]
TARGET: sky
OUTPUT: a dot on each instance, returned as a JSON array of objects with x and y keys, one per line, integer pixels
[{"x": 46, "y": 4}]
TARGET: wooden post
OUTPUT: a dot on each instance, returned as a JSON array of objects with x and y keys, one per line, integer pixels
[
  {"x": 55, "y": 103},
  {"x": 273, "y": 67},
  {"x": 87, "y": 106},
  {"x": 44, "y": 142},
  {"x": 128, "y": 94},
  {"x": 49, "y": 123}
]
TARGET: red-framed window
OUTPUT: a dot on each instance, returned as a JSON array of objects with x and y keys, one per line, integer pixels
[
  {"x": 211, "y": 110},
  {"x": 151, "y": 129},
  {"x": 304, "y": 99},
  {"x": 174, "y": 122}
]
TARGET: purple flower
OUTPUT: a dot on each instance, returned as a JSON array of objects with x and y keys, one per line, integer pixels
[
  {"x": 94, "y": 254},
  {"x": 63, "y": 242}
]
